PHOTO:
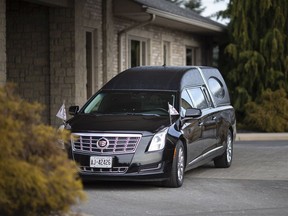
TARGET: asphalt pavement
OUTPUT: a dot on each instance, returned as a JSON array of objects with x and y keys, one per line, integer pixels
[{"x": 255, "y": 185}]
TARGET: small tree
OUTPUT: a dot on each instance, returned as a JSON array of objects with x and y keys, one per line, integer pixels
[
  {"x": 37, "y": 178},
  {"x": 256, "y": 57}
]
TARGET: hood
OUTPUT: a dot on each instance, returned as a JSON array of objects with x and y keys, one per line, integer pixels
[{"x": 101, "y": 123}]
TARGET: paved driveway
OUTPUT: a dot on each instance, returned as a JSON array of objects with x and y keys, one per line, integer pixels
[
  {"x": 257, "y": 160},
  {"x": 256, "y": 184}
]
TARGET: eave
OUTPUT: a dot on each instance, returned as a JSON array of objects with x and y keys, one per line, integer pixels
[{"x": 137, "y": 12}]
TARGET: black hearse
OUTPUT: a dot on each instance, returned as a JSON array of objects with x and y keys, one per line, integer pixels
[{"x": 153, "y": 123}]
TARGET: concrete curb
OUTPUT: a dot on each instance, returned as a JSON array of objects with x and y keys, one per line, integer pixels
[{"x": 261, "y": 136}]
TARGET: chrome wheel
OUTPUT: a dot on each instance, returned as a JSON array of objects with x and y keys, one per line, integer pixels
[
  {"x": 229, "y": 148},
  {"x": 225, "y": 160},
  {"x": 180, "y": 165}
]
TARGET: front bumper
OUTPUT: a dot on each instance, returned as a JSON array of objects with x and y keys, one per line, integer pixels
[
  {"x": 136, "y": 164},
  {"x": 126, "y": 167}
]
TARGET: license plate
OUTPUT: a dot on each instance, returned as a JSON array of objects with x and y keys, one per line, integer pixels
[{"x": 100, "y": 162}]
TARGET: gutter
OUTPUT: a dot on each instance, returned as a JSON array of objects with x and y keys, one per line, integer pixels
[
  {"x": 124, "y": 31},
  {"x": 182, "y": 19}
]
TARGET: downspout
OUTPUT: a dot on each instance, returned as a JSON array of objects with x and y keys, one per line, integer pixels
[{"x": 124, "y": 31}]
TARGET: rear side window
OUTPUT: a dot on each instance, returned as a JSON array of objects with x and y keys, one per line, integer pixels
[
  {"x": 198, "y": 98},
  {"x": 216, "y": 87}
]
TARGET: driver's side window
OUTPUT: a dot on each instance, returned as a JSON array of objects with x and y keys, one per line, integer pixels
[
  {"x": 186, "y": 102},
  {"x": 198, "y": 98}
]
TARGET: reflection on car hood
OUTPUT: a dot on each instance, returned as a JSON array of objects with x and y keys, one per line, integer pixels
[{"x": 93, "y": 123}]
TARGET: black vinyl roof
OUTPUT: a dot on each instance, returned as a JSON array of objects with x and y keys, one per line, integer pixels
[
  {"x": 156, "y": 78},
  {"x": 171, "y": 78}
]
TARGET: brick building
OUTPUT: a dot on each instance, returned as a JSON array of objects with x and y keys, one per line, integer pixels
[{"x": 57, "y": 50}]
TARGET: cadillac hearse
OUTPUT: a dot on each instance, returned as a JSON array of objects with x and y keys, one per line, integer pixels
[{"x": 154, "y": 123}]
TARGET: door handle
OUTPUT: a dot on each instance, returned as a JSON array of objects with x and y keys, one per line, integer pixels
[
  {"x": 214, "y": 118},
  {"x": 200, "y": 123}
]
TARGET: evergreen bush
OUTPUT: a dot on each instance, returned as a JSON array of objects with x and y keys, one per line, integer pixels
[
  {"x": 37, "y": 178},
  {"x": 269, "y": 113}
]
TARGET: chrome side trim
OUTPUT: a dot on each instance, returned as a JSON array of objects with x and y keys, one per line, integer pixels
[
  {"x": 107, "y": 134},
  {"x": 206, "y": 154},
  {"x": 151, "y": 169},
  {"x": 114, "y": 170}
]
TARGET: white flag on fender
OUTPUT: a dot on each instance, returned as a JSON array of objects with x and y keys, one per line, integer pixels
[
  {"x": 172, "y": 110},
  {"x": 62, "y": 112}
]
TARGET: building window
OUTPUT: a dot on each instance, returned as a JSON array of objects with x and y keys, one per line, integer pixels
[
  {"x": 137, "y": 52},
  {"x": 189, "y": 56},
  {"x": 91, "y": 61},
  {"x": 192, "y": 55},
  {"x": 215, "y": 56},
  {"x": 166, "y": 53}
]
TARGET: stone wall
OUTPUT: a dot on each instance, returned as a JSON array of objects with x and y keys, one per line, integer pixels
[
  {"x": 46, "y": 49},
  {"x": 88, "y": 18},
  {"x": 68, "y": 27},
  {"x": 62, "y": 59},
  {"x": 28, "y": 51},
  {"x": 46, "y": 52},
  {"x": 2, "y": 42},
  {"x": 41, "y": 54}
]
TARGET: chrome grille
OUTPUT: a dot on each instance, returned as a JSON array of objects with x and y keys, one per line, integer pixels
[{"x": 118, "y": 143}]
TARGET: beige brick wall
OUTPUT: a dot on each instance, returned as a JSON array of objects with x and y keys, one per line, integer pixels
[
  {"x": 2, "y": 42},
  {"x": 62, "y": 59},
  {"x": 46, "y": 49},
  {"x": 119, "y": 25},
  {"x": 88, "y": 17},
  {"x": 68, "y": 27},
  {"x": 156, "y": 36}
]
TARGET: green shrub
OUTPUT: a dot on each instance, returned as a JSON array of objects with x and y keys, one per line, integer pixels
[
  {"x": 269, "y": 113},
  {"x": 37, "y": 178}
]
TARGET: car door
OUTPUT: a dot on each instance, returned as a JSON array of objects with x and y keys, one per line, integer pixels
[
  {"x": 208, "y": 121},
  {"x": 191, "y": 129}
]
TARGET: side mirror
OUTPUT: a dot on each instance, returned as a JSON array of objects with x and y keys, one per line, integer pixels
[
  {"x": 73, "y": 110},
  {"x": 193, "y": 113}
]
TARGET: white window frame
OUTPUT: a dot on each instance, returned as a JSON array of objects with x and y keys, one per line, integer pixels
[
  {"x": 143, "y": 53},
  {"x": 195, "y": 54},
  {"x": 91, "y": 69}
]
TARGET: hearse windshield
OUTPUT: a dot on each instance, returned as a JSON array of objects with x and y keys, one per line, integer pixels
[{"x": 131, "y": 102}]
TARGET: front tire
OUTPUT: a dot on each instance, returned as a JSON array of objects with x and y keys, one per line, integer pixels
[
  {"x": 225, "y": 160},
  {"x": 178, "y": 167}
]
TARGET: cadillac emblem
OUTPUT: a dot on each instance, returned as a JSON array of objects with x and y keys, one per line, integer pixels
[{"x": 102, "y": 143}]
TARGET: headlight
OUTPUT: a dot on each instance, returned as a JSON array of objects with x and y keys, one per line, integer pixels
[{"x": 158, "y": 141}]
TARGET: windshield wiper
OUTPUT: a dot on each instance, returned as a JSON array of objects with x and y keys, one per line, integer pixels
[
  {"x": 123, "y": 113},
  {"x": 140, "y": 114}
]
